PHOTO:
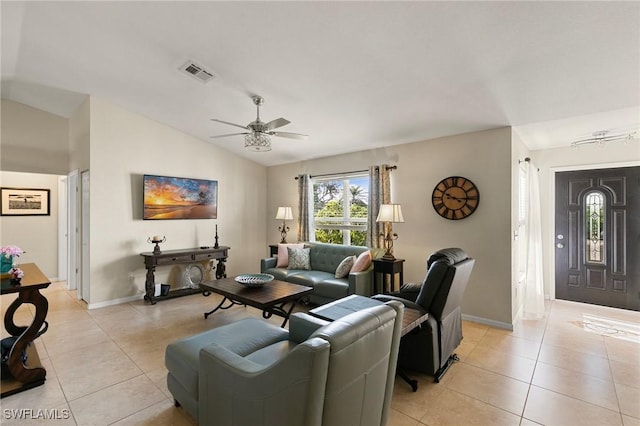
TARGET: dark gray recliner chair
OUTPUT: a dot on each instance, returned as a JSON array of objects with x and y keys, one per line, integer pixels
[{"x": 429, "y": 348}]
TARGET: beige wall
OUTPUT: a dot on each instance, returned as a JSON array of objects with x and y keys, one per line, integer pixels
[
  {"x": 124, "y": 146},
  {"x": 37, "y": 235},
  {"x": 550, "y": 161},
  {"x": 33, "y": 140},
  {"x": 118, "y": 147},
  {"x": 485, "y": 158},
  {"x": 79, "y": 137}
]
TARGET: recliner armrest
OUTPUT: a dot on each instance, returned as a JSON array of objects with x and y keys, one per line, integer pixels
[
  {"x": 234, "y": 390},
  {"x": 405, "y": 302},
  {"x": 302, "y": 325}
]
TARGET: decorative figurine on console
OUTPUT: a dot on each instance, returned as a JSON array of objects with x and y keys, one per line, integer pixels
[
  {"x": 156, "y": 240},
  {"x": 216, "y": 245}
]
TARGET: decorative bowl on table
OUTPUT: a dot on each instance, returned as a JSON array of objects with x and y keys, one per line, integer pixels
[{"x": 254, "y": 280}]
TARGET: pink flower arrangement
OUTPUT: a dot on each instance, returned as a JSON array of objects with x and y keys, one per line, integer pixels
[
  {"x": 16, "y": 273},
  {"x": 9, "y": 251}
]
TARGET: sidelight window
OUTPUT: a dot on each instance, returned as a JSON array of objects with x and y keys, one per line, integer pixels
[{"x": 594, "y": 229}]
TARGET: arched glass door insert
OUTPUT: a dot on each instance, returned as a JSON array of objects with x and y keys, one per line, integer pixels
[{"x": 594, "y": 227}]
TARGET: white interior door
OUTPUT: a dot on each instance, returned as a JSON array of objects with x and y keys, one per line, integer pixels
[
  {"x": 72, "y": 231},
  {"x": 85, "y": 237},
  {"x": 62, "y": 228}
]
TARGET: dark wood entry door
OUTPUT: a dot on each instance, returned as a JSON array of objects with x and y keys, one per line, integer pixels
[{"x": 597, "y": 237}]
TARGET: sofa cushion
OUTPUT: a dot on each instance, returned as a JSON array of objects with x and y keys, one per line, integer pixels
[
  {"x": 299, "y": 258},
  {"x": 344, "y": 267},
  {"x": 310, "y": 278},
  {"x": 363, "y": 262},
  {"x": 333, "y": 288},
  {"x": 281, "y": 274},
  {"x": 326, "y": 257},
  {"x": 283, "y": 254}
]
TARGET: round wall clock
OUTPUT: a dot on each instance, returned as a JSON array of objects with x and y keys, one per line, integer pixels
[{"x": 455, "y": 198}]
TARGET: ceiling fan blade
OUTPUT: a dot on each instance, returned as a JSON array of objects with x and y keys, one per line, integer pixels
[
  {"x": 289, "y": 135},
  {"x": 230, "y": 124},
  {"x": 230, "y": 134},
  {"x": 278, "y": 122}
]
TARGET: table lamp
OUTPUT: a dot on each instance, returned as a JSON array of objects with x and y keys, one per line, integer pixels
[
  {"x": 391, "y": 213},
  {"x": 284, "y": 213}
]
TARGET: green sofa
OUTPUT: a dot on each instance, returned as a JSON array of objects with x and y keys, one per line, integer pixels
[{"x": 325, "y": 258}]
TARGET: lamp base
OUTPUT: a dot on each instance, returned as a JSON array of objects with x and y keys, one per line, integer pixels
[
  {"x": 388, "y": 257},
  {"x": 283, "y": 232}
]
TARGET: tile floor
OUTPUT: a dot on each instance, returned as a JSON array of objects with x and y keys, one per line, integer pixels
[{"x": 580, "y": 365}]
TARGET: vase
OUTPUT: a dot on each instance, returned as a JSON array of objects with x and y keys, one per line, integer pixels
[{"x": 6, "y": 263}]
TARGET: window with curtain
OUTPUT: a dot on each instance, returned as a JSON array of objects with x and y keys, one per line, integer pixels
[{"x": 340, "y": 209}]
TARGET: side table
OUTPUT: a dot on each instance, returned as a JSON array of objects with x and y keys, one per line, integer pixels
[
  {"x": 29, "y": 373},
  {"x": 386, "y": 268}
]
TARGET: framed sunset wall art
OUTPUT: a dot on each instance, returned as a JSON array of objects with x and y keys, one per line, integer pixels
[{"x": 168, "y": 197}]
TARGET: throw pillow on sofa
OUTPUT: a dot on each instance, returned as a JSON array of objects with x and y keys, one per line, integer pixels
[
  {"x": 283, "y": 254},
  {"x": 299, "y": 258},
  {"x": 363, "y": 262},
  {"x": 345, "y": 266}
]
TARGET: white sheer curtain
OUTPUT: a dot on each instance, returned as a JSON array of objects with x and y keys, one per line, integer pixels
[{"x": 534, "y": 288}]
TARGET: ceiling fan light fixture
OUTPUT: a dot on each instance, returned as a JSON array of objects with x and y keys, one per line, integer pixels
[{"x": 258, "y": 142}]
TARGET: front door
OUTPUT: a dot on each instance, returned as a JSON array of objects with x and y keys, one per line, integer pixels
[{"x": 597, "y": 237}]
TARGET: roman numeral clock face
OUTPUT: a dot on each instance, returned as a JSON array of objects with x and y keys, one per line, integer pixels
[{"x": 455, "y": 198}]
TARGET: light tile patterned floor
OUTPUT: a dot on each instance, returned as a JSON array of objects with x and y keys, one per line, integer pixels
[{"x": 580, "y": 365}]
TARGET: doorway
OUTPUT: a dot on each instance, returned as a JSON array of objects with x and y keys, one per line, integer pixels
[{"x": 597, "y": 234}]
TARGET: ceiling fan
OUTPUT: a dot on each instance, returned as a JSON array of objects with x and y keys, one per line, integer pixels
[{"x": 258, "y": 136}]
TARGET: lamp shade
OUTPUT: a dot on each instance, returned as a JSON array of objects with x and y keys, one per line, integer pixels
[
  {"x": 284, "y": 213},
  {"x": 390, "y": 213}
]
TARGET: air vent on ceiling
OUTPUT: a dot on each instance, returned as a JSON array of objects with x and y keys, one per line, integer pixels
[{"x": 197, "y": 71}]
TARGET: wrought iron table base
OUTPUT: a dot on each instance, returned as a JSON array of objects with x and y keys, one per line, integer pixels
[{"x": 267, "y": 313}]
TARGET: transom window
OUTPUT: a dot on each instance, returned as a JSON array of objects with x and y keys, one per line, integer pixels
[
  {"x": 340, "y": 209},
  {"x": 594, "y": 235}
]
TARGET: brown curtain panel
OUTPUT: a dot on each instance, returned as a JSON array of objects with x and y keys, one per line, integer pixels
[
  {"x": 379, "y": 193},
  {"x": 304, "y": 183}
]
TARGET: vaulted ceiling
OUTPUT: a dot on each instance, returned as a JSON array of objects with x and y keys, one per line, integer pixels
[{"x": 352, "y": 75}]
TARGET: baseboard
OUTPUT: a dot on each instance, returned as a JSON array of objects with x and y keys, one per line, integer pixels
[
  {"x": 128, "y": 299},
  {"x": 485, "y": 321}
]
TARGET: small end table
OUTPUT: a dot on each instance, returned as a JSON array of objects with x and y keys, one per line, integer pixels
[{"x": 387, "y": 268}]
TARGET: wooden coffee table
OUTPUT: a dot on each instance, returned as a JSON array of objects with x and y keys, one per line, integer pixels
[{"x": 271, "y": 298}]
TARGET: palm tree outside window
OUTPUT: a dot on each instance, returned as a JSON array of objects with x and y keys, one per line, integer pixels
[{"x": 340, "y": 209}]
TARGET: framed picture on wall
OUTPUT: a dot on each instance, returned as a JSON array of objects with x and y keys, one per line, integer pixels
[
  {"x": 24, "y": 202},
  {"x": 167, "y": 197}
]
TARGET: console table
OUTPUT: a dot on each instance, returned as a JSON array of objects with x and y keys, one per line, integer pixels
[
  {"x": 173, "y": 257},
  {"x": 29, "y": 374}
]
